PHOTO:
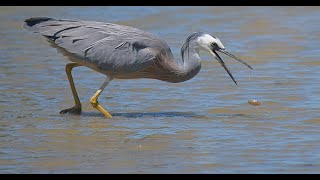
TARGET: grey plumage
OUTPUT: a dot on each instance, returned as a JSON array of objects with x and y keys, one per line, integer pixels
[
  {"x": 99, "y": 43},
  {"x": 186, "y": 45}
]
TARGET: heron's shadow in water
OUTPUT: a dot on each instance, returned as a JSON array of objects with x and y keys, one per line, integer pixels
[
  {"x": 146, "y": 114},
  {"x": 168, "y": 114}
]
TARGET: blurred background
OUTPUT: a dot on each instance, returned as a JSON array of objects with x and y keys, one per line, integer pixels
[{"x": 203, "y": 125}]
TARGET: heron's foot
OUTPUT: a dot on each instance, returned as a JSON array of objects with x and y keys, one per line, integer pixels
[
  {"x": 72, "y": 110},
  {"x": 97, "y": 106}
]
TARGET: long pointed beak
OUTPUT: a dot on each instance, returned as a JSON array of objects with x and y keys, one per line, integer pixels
[
  {"x": 234, "y": 57},
  {"x": 224, "y": 66}
]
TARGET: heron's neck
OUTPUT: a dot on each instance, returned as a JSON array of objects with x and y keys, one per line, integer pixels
[
  {"x": 191, "y": 61},
  {"x": 190, "y": 67}
]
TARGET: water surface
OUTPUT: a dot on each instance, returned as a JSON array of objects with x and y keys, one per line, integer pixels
[{"x": 203, "y": 125}]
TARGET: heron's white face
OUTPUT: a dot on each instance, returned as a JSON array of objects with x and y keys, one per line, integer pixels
[
  {"x": 209, "y": 43},
  {"x": 213, "y": 45}
]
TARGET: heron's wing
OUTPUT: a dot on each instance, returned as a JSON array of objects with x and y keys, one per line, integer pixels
[{"x": 108, "y": 46}]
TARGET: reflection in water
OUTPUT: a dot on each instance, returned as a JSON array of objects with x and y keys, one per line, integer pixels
[
  {"x": 148, "y": 114},
  {"x": 204, "y": 125}
]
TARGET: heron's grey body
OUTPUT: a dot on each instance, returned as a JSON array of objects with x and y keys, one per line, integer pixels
[
  {"x": 115, "y": 50},
  {"x": 123, "y": 52}
]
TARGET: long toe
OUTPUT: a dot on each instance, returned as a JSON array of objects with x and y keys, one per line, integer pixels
[{"x": 72, "y": 110}]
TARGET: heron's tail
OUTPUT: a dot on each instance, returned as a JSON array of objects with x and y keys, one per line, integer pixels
[{"x": 31, "y": 23}]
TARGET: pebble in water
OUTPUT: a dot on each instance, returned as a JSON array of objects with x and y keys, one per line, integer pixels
[{"x": 254, "y": 102}]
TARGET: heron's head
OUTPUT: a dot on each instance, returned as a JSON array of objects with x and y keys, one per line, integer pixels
[
  {"x": 212, "y": 45},
  {"x": 209, "y": 43}
]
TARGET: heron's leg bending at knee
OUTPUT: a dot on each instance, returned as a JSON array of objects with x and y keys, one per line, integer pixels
[
  {"x": 94, "y": 99},
  {"x": 77, "y": 108}
]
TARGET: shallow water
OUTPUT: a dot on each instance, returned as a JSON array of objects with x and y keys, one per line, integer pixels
[{"x": 203, "y": 125}]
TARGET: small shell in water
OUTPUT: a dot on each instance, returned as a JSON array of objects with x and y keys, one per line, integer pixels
[{"x": 254, "y": 102}]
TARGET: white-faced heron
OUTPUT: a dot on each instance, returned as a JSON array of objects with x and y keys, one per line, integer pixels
[{"x": 122, "y": 52}]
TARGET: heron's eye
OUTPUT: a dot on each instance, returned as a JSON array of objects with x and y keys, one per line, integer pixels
[{"x": 214, "y": 44}]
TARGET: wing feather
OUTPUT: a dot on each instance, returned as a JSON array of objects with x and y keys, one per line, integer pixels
[{"x": 109, "y": 46}]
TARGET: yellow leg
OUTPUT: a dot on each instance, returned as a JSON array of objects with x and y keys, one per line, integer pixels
[
  {"x": 78, "y": 107},
  {"x": 94, "y": 99}
]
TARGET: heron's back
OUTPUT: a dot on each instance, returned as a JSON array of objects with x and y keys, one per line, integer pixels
[{"x": 102, "y": 46}]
